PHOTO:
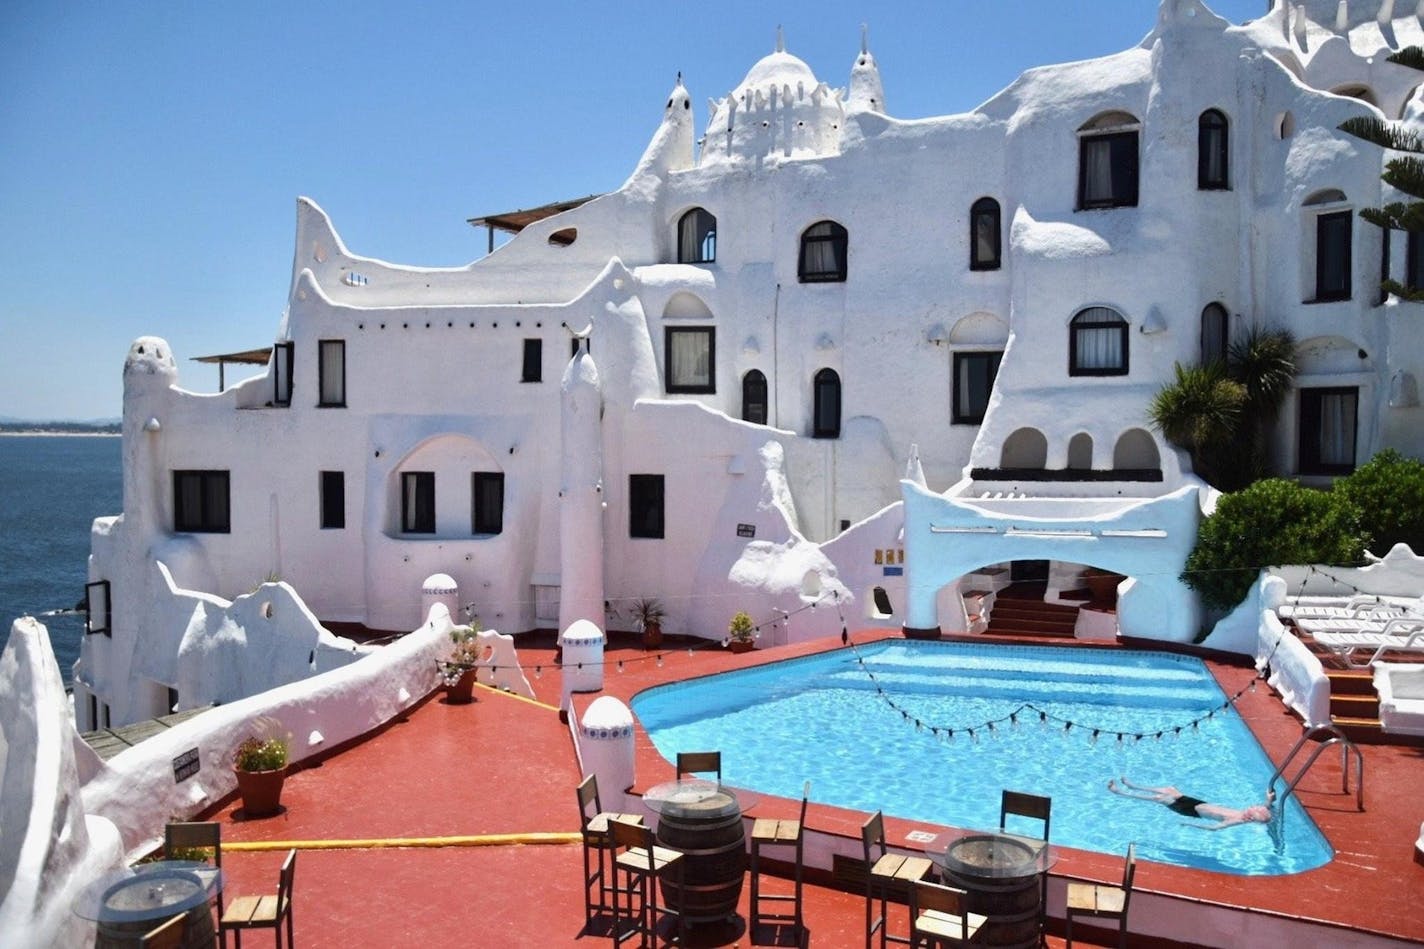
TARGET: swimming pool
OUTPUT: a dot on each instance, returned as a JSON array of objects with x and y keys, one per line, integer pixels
[{"x": 821, "y": 718}]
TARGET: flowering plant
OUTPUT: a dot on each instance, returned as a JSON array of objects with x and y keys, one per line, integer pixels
[
  {"x": 465, "y": 652},
  {"x": 741, "y": 629},
  {"x": 260, "y": 754}
]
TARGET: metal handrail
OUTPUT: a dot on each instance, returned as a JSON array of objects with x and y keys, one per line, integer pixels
[{"x": 1337, "y": 737}]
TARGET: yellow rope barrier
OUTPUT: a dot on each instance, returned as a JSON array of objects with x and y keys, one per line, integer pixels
[
  {"x": 377, "y": 843},
  {"x": 516, "y": 695}
]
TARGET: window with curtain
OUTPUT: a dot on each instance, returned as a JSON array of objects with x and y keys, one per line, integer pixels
[
  {"x": 696, "y": 237},
  {"x": 487, "y": 502},
  {"x": 754, "y": 401},
  {"x": 984, "y": 247},
  {"x": 1327, "y": 428},
  {"x": 1107, "y": 170},
  {"x": 1097, "y": 343},
  {"x": 645, "y": 505},
  {"x": 823, "y": 253},
  {"x": 201, "y": 502},
  {"x": 689, "y": 354},
  {"x": 418, "y": 502},
  {"x": 331, "y": 372},
  {"x": 974, "y": 375},
  {"x": 282, "y": 357},
  {"x": 1332, "y": 255},
  {"x": 826, "y": 421},
  {"x": 333, "y": 500},
  {"x": 1212, "y": 155},
  {"x": 1214, "y": 333}
]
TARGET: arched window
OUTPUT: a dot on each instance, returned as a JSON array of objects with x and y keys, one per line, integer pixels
[
  {"x": 984, "y": 248},
  {"x": 1097, "y": 343},
  {"x": 823, "y": 253},
  {"x": 1214, "y": 333},
  {"x": 1212, "y": 166},
  {"x": 696, "y": 237},
  {"x": 754, "y": 397},
  {"x": 827, "y": 398},
  {"x": 1107, "y": 161}
]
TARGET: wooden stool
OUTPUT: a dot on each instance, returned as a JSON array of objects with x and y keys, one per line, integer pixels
[
  {"x": 644, "y": 862},
  {"x": 882, "y": 873},
  {"x": 769, "y": 832},
  {"x": 597, "y": 841}
]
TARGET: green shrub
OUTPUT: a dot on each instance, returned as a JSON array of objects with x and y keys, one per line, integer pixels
[
  {"x": 1269, "y": 523},
  {"x": 1388, "y": 494}
]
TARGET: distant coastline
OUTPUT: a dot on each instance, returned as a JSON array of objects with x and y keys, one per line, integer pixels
[{"x": 59, "y": 428}]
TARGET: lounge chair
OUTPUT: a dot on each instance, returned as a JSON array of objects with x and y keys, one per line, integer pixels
[
  {"x": 1404, "y": 634},
  {"x": 1361, "y": 606},
  {"x": 1401, "y": 695}
]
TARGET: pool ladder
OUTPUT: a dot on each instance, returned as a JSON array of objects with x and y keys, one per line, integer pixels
[{"x": 1337, "y": 737}]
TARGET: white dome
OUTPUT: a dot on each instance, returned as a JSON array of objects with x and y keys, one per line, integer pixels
[{"x": 777, "y": 70}]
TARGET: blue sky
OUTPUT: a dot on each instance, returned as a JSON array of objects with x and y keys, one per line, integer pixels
[{"x": 151, "y": 153}]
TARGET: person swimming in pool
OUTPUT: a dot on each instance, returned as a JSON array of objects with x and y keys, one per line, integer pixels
[{"x": 1189, "y": 806}]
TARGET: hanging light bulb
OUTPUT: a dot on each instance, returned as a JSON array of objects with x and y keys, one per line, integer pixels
[
  {"x": 1093, "y": 740},
  {"x": 689, "y": 652},
  {"x": 1252, "y": 686},
  {"x": 620, "y": 666},
  {"x": 949, "y": 737},
  {"x": 660, "y": 660},
  {"x": 538, "y": 672}
]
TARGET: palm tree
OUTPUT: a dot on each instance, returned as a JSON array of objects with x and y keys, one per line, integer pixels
[{"x": 1200, "y": 412}]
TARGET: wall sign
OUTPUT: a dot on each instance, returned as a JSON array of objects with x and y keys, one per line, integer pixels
[
  {"x": 746, "y": 530},
  {"x": 185, "y": 765}
]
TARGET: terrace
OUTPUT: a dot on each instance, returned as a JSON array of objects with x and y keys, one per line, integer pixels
[{"x": 404, "y": 833}]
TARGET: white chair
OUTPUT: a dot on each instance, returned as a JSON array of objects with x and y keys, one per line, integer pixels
[
  {"x": 1401, "y": 696},
  {"x": 1396, "y": 635}
]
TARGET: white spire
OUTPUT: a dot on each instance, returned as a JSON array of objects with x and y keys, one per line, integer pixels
[
  {"x": 864, "y": 38},
  {"x": 780, "y": 39},
  {"x": 913, "y": 470}
]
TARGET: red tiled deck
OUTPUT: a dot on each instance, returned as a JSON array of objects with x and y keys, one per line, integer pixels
[{"x": 506, "y": 766}]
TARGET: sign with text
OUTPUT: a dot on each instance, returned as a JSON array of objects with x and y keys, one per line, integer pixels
[
  {"x": 185, "y": 765},
  {"x": 746, "y": 530}
]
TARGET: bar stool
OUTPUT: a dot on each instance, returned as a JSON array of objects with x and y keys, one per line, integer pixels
[
  {"x": 770, "y": 832},
  {"x": 884, "y": 872},
  {"x": 597, "y": 841},
  {"x": 644, "y": 862},
  {"x": 1035, "y": 807}
]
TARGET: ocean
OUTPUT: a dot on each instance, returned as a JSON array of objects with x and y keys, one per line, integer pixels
[{"x": 51, "y": 489}]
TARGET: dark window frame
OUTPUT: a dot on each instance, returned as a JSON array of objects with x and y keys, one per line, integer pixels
[
  {"x": 486, "y": 520},
  {"x": 419, "y": 485},
  {"x": 98, "y": 618},
  {"x": 532, "y": 361},
  {"x": 206, "y": 519},
  {"x": 960, "y": 414},
  {"x": 1125, "y": 174},
  {"x": 1334, "y": 231},
  {"x": 321, "y": 381},
  {"x": 1214, "y": 311},
  {"x": 1413, "y": 259},
  {"x": 283, "y": 359},
  {"x": 1308, "y": 418},
  {"x": 826, "y": 416},
  {"x": 706, "y": 233},
  {"x": 985, "y": 209},
  {"x": 647, "y": 506},
  {"x": 1213, "y": 141},
  {"x": 331, "y": 486},
  {"x": 839, "y": 239},
  {"x": 1382, "y": 295},
  {"x": 675, "y": 388},
  {"x": 1078, "y": 324},
  {"x": 753, "y": 379}
]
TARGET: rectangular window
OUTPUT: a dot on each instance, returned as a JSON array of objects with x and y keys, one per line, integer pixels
[
  {"x": 974, "y": 375},
  {"x": 418, "y": 502},
  {"x": 645, "y": 505},
  {"x": 533, "y": 361},
  {"x": 1332, "y": 256},
  {"x": 1414, "y": 270},
  {"x": 98, "y": 612},
  {"x": 282, "y": 374},
  {"x": 574, "y": 343},
  {"x": 1382, "y": 297},
  {"x": 1327, "y": 430},
  {"x": 690, "y": 356},
  {"x": 487, "y": 502},
  {"x": 1107, "y": 171},
  {"x": 331, "y": 372},
  {"x": 200, "y": 502},
  {"x": 333, "y": 500}
]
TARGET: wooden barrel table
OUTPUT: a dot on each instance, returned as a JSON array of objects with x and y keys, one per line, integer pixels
[
  {"x": 1001, "y": 875},
  {"x": 709, "y": 833}
]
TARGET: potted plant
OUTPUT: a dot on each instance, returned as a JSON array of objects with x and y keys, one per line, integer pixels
[
  {"x": 741, "y": 633},
  {"x": 260, "y": 765},
  {"x": 459, "y": 669},
  {"x": 648, "y": 614}
]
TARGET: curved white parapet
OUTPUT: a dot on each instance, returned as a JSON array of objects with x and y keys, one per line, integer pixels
[{"x": 1295, "y": 671}]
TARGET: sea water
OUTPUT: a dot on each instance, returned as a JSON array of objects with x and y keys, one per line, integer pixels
[
  {"x": 868, "y": 728},
  {"x": 51, "y": 489}
]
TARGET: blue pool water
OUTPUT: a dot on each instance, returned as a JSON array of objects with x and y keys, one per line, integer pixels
[{"x": 821, "y": 718}]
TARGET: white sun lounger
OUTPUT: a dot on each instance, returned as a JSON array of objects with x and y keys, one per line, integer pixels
[
  {"x": 1401, "y": 693},
  {"x": 1361, "y": 606},
  {"x": 1397, "y": 635}
]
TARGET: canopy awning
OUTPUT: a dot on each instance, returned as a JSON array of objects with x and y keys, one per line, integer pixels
[{"x": 515, "y": 221}]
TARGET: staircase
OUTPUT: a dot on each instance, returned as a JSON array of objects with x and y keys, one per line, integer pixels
[
  {"x": 1019, "y": 610},
  {"x": 1354, "y": 704}
]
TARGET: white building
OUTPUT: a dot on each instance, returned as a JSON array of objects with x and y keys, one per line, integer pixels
[{"x": 789, "y": 305}]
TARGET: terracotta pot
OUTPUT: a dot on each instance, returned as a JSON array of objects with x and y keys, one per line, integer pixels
[
  {"x": 741, "y": 645},
  {"x": 652, "y": 635},
  {"x": 463, "y": 691},
  {"x": 261, "y": 791}
]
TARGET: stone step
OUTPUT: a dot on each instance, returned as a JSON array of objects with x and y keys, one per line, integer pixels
[{"x": 1362, "y": 707}]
